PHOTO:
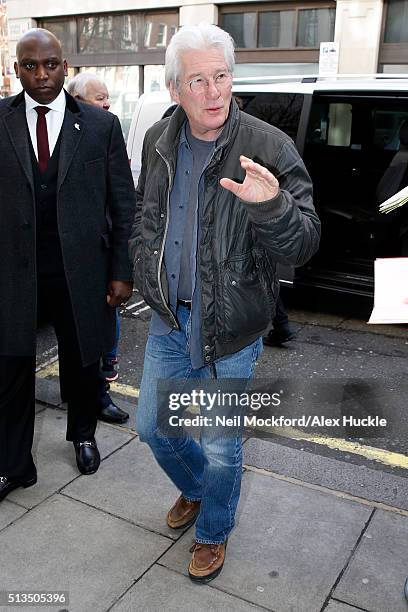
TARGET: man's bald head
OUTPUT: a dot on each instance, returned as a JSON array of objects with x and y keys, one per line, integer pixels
[
  {"x": 40, "y": 65},
  {"x": 37, "y": 35}
]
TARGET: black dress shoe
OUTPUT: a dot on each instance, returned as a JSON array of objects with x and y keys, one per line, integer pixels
[
  {"x": 87, "y": 456},
  {"x": 7, "y": 485},
  {"x": 110, "y": 413},
  {"x": 406, "y": 589},
  {"x": 278, "y": 337}
]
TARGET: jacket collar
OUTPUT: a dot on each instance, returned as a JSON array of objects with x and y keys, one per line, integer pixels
[
  {"x": 72, "y": 131},
  {"x": 167, "y": 143},
  {"x": 72, "y": 104}
]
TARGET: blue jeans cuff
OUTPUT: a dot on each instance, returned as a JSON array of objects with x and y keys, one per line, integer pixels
[
  {"x": 201, "y": 541},
  {"x": 191, "y": 499}
]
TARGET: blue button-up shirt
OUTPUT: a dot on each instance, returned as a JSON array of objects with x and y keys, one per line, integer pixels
[{"x": 179, "y": 201}]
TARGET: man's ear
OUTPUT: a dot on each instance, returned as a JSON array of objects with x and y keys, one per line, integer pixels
[
  {"x": 174, "y": 93},
  {"x": 16, "y": 70},
  {"x": 65, "y": 64}
]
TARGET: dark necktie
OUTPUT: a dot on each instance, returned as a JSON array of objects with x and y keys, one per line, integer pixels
[{"x": 42, "y": 138}]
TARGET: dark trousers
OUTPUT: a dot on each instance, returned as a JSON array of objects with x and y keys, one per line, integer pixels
[
  {"x": 281, "y": 320},
  {"x": 17, "y": 382}
]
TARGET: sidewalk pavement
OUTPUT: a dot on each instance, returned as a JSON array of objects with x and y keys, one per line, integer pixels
[{"x": 297, "y": 547}]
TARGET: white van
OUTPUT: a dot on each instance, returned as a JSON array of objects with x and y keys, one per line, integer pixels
[
  {"x": 149, "y": 108},
  {"x": 352, "y": 133}
]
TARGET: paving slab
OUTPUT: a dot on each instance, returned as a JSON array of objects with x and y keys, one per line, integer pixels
[
  {"x": 55, "y": 457},
  {"x": 63, "y": 545},
  {"x": 162, "y": 589},
  {"x": 39, "y": 408},
  {"x": 9, "y": 513},
  {"x": 375, "y": 577},
  {"x": 288, "y": 548},
  {"x": 338, "y": 606},
  {"x": 130, "y": 485},
  {"x": 47, "y": 390}
]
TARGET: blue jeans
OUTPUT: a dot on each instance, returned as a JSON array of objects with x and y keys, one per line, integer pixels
[
  {"x": 209, "y": 471},
  {"x": 114, "y": 352}
]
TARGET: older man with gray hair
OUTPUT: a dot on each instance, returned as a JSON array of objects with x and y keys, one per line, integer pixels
[
  {"x": 211, "y": 226},
  {"x": 88, "y": 87}
]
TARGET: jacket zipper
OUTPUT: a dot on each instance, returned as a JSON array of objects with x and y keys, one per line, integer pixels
[{"x": 164, "y": 241}]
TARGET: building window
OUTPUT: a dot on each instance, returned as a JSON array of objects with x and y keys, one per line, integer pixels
[
  {"x": 162, "y": 35},
  {"x": 64, "y": 30},
  {"x": 108, "y": 33},
  {"x": 315, "y": 26},
  {"x": 393, "y": 56},
  {"x": 396, "y": 24},
  {"x": 277, "y": 29},
  {"x": 242, "y": 27},
  {"x": 281, "y": 29},
  {"x": 112, "y": 34},
  {"x": 159, "y": 28}
]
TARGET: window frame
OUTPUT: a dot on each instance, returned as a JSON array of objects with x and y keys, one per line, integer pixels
[
  {"x": 113, "y": 58},
  {"x": 276, "y": 54},
  {"x": 391, "y": 53}
]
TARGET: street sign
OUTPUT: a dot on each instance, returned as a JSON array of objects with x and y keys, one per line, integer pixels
[{"x": 329, "y": 58}]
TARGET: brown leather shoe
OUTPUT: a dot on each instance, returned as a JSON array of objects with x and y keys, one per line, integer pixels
[
  {"x": 206, "y": 562},
  {"x": 183, "y": 513}
]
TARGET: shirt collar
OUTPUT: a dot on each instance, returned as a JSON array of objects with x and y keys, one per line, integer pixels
[{"x": 58, "y": 104}]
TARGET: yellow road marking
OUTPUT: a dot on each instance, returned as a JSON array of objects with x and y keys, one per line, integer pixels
[
  {"x": 346, "y": 446},
  {"x": 50, "y": 370},
  {"x": 124, "y": 389},
  {"x": 53, "y": 370}
]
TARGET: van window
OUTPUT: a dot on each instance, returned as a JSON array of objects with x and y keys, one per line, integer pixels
[
  {"x": 350, "y": 143},
  {"x": 279, "y": 109},
  {"x": 386, "y": 128},
  {"x": 330, "y": 124}
]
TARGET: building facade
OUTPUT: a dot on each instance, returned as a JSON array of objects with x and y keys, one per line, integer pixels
[
  {"x": 4, "y": 57},
  {"x": 124, "y": 41}
]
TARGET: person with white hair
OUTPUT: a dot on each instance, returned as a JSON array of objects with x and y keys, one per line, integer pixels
[
  {"x": 88, "y": 87},
  {"x": 222, "y": 198}
]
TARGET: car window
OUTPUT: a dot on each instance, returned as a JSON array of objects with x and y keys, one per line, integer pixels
[
  {"x": 387, "y": 124},
  {"x": 279, "y": 109},
  {"x": 350, "y": 143},
  {"x": 330, "y": 124}
]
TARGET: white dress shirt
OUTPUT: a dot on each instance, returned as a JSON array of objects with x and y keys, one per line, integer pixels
[{"x": 54, "y": 119}]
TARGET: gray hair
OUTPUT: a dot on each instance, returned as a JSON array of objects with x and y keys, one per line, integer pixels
[
  {"x": 77, "y": 86},
  {"x": 201, "y": 36}
]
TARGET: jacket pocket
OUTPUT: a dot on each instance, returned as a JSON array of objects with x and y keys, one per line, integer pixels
[{"x": 245, "y": 304}]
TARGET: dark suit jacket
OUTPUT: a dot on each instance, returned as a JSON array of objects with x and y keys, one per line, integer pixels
[{"x": 95, "y": 207}]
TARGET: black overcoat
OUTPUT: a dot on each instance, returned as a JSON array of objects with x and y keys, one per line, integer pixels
[{"x": 95, "y": 209}]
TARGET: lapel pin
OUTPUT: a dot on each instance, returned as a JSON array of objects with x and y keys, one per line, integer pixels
[{"x": 76, "y": 126}]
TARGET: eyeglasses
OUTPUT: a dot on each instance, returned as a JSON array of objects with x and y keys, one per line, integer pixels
[{"x": 199, "y": 84}]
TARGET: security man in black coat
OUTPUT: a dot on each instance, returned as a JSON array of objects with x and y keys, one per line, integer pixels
[{"x": 66, "y": 208}]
